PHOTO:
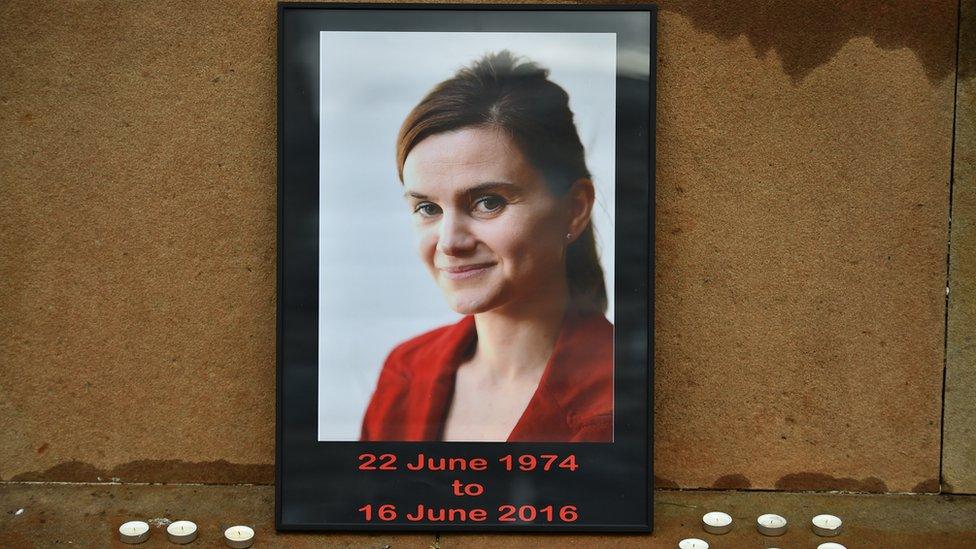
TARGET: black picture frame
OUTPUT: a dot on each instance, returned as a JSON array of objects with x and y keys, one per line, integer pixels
[{"x": 319, "y": 485}]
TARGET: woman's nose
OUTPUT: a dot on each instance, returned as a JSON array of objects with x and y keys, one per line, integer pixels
[{"x": 454, "y": 236}]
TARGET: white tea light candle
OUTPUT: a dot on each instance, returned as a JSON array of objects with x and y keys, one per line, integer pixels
[
  {"x": 717, "y": 522},
  {"x": 831, "y": 545},
  {"x": 692, "y": 543},
  {"x": 771, "y": 525},
  {"x": 181, "y": 532},
  {"x": 134, "y": 531},
  {"x": 826, "y": 525},
  {"x": 239, "y": 537}
]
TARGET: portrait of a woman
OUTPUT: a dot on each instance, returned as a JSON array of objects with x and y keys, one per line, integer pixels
[{"x": 494, "y": 174}]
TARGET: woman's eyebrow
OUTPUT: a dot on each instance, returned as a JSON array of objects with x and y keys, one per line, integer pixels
[
  {"x": 491, "y": 186},
  {"x": 476, "y": 189}
]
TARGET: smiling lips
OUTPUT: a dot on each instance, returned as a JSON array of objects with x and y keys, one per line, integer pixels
[{"x": 465, "y": 271}]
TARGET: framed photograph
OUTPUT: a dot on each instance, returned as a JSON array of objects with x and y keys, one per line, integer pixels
[{"x": 465, "y": 267}]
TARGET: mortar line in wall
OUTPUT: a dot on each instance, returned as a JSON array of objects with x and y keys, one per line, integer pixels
[
  {"x": 809, "y": 492},
  {"x": 662, "y": 490},
  {"x": 83, "y": 483},
  {"x": 952, "y": 175}
]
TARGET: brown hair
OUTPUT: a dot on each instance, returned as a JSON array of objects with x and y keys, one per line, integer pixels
[{"x": 500, "y": 91}]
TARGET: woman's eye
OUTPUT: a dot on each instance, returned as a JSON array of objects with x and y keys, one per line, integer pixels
[
  {"x": 489, "y": 204},
  {"x": 427, "y": 209}
]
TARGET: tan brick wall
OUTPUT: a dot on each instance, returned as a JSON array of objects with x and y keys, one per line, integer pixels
[{"x": 802, "y": 201}]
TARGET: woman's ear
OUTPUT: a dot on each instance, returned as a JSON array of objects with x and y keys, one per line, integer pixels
[{"x": 581, "y": 197}]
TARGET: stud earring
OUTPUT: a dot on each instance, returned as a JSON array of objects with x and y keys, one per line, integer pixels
[{"x": 569, "y": 236}]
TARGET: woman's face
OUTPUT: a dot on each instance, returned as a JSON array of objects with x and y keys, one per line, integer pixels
[{"x": 491, "y": 233}]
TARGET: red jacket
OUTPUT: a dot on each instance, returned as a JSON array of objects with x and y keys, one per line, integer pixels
[{"x": 573, "y": 403}]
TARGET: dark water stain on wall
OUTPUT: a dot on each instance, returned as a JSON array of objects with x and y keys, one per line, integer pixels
[
  {"x": 967, "y": 40},
  {"x": 930, "y": 486},
  {"x": 666, "y": 483},
  {"x": 150, "y": 470},
  {"x": 732, "y": 482},
  {"x": 806, "y": 33},
  {"x": 798, "y": 482}
]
